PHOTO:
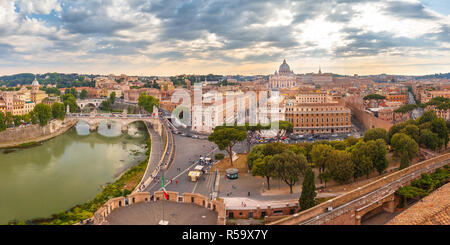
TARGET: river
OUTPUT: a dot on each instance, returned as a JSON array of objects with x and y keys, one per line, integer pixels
[{"x": 67, "y": 170}]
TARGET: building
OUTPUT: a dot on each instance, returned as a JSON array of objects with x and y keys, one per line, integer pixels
[
  {"x": 397, "y": 97},
  {"x": 283, "y": 78},
  {"x": 426, "y": 96},
  {"x": 318, "y": 113},
  {"x": 37, "y": 96},
  {"x": 132, "y": 95},
  {"x": 11, "y": 102},
  {"x": 322, "y": 79}
]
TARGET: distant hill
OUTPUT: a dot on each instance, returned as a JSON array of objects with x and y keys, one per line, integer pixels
[
  {"x": 440, "y": 75},
  {"x": 62, "y": 80}
]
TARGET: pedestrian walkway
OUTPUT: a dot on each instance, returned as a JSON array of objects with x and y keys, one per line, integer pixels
[{"x": 156, "y": 153}]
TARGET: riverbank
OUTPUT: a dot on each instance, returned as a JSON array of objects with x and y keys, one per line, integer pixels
[
  {"x": 34, "y": 134},
  {"x": 122, "y": 186}
]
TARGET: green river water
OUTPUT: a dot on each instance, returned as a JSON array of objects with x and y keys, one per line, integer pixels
[{"x": 67, "y": 170}]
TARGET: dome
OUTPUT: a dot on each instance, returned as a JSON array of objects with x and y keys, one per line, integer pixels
[
  {"x": 284, "y": 68},
  {"x": 35, "y": 82}
]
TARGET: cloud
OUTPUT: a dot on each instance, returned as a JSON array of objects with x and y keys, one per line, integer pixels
[
  {"x": 38, "y": 6},
  {"x": 413, "y": 10},
  {"x": 216, "y": 33}
]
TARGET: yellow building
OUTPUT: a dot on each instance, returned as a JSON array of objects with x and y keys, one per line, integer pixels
[{"x": 37, "y": 96}]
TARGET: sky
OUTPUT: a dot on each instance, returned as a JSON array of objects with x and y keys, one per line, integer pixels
[{"x": 166, "y": 37}]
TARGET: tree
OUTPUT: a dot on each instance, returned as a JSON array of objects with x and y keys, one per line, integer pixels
[
  {"x": 9, "y": 120},
  {"x": 112, "y": 98},
  {"x": 308, "y": 197},
  {"x": 255, "y": 154},
  {"x": 34, "y": 117},
  {"x": 350, "y": 141},
  {"x": 429, "y": 139},
  {"x": 70, "y": 100},
  {"x": 289, "y": 167},
  {"x": 320, "y": 154},
  {"x": 324, "y": 177},
  {"x": 2, "y": 121},
  {"x": 378, "y": 155},
  {"x": 412, "y": 131},
  {"x": 374, "y": 97},
  {"x": 404, "y": 161},
  {"x": 341, "y": 167},
  {"x": 83, "y": 94},
  {"x": 226, "y": 138},
  {"x": 264, "y": 167},
  {"x": 71, "y": 91},
  {"x": 58, "y": 111},
  {"x": 44, "y": 113},
  {"x": 361, "y": 159},
  {"x": 283, "y": 125},
  {"x": 404, "y": 146},
  {"x": 17, "y": 120},
  {"x": 147, "y": 102},
  {"x": 427, "y": 116},
  {"x": 106, "y": 105},
  {"x": 439, "y": 127},
  {"x": 376, "y": 133},
  {"x": 396, "y": 129}
]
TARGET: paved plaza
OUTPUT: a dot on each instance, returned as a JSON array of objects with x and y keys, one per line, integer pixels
[{"x": 152, "y": 213}]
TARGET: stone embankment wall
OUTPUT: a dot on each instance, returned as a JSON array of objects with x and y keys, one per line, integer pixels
[{"x": 34, "y": 133}]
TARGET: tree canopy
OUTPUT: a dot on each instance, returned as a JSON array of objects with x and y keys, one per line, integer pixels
[
  {"x": 376, "y": 133},
  {"x": 147, "y": 102},
  {"x": 374, "y": 97},
  {"x": 44, "y": 113},
  {"x": 226, "y": 138}
]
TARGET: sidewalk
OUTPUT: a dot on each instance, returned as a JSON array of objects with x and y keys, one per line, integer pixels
[{"x": 155, "y": 155}]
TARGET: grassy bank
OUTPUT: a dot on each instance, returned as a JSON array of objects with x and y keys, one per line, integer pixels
[{"x": 123, "y": 186}]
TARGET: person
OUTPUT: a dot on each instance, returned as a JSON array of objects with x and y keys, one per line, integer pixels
[{"x": 176, "y": 182}]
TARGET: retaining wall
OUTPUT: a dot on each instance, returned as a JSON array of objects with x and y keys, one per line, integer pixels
[{"x": 34, "y": 133}]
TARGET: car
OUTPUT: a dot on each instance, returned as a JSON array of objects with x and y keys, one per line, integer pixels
[{"x": 195, "y": 137}]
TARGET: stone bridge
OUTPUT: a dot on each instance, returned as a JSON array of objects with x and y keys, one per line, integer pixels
[
  {"x": 94, "y": 102},
  {"x": 94, "y": 119},
  {"x": 354, "y": 206}
]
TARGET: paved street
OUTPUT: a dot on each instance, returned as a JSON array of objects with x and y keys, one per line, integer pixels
[
  {"x": 156, "y": 152},
  {"x": 187, "y": 150},
  {"x": 152, "y": 213}
]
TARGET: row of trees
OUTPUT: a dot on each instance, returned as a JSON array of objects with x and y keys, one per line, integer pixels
[
  {"x": 340, "y": 161},
  {"x": 41, "y": 114}
]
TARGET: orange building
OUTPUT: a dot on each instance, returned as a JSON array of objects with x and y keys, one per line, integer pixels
[
  {"x": 397, "y": 97},
  {"x": 317, "y": 113}
]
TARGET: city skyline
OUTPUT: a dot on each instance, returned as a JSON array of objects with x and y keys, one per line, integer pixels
[{"x": 139, "y": 37}]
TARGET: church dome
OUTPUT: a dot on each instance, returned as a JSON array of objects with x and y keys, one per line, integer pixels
[
  {"x": 284, "y": 68},
  {"x": 35, "y": 82}
]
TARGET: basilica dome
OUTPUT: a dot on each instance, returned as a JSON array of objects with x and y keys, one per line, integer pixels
[{"x": 284, "y": 68}]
